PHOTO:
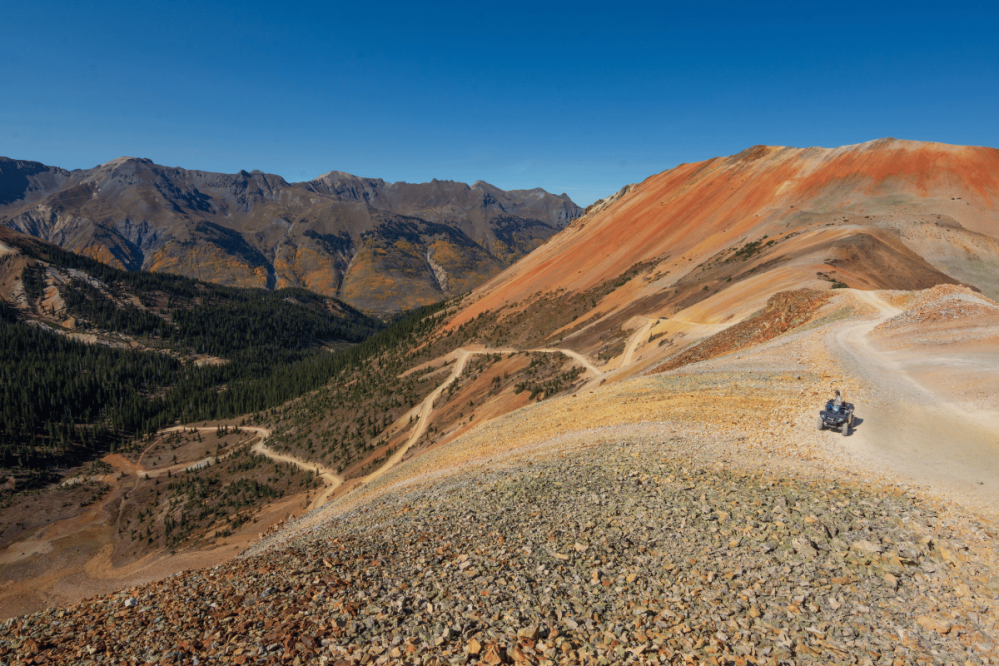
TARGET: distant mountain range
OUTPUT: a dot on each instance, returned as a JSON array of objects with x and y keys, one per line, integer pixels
[{"x": 379, "y": 246}]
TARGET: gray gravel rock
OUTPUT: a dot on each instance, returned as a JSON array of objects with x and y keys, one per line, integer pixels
[{"x": 627, "y": 553}]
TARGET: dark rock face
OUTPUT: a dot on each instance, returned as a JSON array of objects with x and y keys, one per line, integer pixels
[
  {"x": 20, "y": 179},
  {"x": 380, "y": 246}
]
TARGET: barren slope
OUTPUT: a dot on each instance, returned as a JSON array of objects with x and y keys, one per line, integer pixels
[{"x": 887, "y": 214}]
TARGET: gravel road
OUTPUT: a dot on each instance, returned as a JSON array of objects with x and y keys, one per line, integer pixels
[{"x": 909, "y": 430}]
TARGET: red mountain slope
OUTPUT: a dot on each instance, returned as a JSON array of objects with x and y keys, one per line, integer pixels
[{"x": 717, "y": 238}]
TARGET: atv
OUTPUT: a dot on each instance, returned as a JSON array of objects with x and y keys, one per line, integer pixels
[{"x": 836, "y": 417}]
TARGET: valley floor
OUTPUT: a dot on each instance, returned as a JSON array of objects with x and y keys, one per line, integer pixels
[{"x": 75, "y": 557}]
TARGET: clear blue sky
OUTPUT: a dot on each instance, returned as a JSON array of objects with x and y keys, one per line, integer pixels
[{"x": 562, "y": 96}]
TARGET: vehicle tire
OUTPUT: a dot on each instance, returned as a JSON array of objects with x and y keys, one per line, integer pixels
[
  {"x": 821, "y": 424},
  {"x": 846, "y": 429}
]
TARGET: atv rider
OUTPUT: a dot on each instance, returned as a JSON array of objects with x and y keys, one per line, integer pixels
[{"x": 838, "y": 400}]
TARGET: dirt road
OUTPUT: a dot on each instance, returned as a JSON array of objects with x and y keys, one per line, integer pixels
[
  {"x": 427, "y": 406},
  {"x": 77, "y": 552},
  {"x": 425, "y": 410},
  {"x": 331, "y": 478},
  {"x": 139, "y": 468},
  {"x": 907, "y": 428},
  {"x": 635, "y": 339},
  {"x": 573, "y": 355}
]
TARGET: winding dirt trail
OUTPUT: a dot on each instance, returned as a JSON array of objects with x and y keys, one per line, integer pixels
[
  {"x": 139, "y": 468},
  {"x": 427, "y": 406},
  {"x": 635, "y": 339},
  {"x": 123, "y": 471},
  {"x": 332, "y": 479},
  {"x": 77, "y": 552},
  {"x": 571, "y": 354},
  {"x": 907, "y": 428}
]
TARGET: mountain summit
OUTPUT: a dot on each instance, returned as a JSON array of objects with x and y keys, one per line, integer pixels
[{"x": 380, "y": 246}]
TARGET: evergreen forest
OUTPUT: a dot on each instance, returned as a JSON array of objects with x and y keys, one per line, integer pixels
[{"x": 63, "y": 401}]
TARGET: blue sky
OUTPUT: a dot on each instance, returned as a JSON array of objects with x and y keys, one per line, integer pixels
[{"x": 566, "y": 96}]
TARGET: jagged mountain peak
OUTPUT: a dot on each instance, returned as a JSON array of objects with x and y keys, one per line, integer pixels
[
  {"x": 381, "y": 246},
  {"x": 483, "y": 185},
  {"x": 124, "y": 159},
  {"x": 345, "y": 186}
]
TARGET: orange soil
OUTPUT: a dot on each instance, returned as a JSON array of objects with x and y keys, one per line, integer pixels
[{"x": 687, "y": 214}]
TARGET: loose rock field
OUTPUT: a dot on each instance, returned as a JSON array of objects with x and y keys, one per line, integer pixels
[{"x": 596, "y": 550}]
